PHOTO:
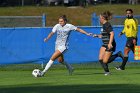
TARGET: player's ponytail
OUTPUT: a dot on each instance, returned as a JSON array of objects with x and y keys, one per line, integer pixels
[{"x": 107, "y": 15}]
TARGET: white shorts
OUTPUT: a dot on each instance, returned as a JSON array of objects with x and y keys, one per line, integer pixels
[{"x": 60, "y": 48}]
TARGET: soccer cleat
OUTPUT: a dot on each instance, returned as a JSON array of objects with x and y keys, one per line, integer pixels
[
  {"x": 119, "y": 68},
  {"x": 120, "y": 54},
  {"x": 42, "y": 74},
  {"x": 71, "y": 69},
  {"x": 107, "y": 73}
]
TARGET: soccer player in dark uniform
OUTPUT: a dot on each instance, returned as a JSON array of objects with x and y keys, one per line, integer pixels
[
  {"x": 109, "y": 44},
  {"x": 131, "y": 31}
]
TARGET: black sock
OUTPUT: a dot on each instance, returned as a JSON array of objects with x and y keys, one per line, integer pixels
[
  {"x": 101, "y": 61},
  {"x": 133, "y": 50},
  {"x": 112, "y": 58},
  {"x": 124, "y": 62},
  {"x": 104, "y": 65}
]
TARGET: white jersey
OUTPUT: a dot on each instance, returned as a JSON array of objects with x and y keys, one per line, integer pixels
[{"x": 63, "y": 33}]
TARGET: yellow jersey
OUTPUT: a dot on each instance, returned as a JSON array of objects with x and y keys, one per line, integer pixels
[{"x": 130, "y": 27}]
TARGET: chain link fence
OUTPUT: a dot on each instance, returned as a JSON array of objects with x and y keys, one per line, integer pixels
[
  {"x": 22, "y": 21},
  {"x": 116, "y": 20}
]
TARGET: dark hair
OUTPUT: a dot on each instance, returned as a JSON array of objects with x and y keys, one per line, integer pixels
[
  {"x": 129, "y": 10},
  {"x": 107, "y": 15},
  {"x": 63, "y": 17}
]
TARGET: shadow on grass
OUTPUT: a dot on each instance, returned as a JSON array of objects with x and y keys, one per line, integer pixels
[
  {"x": 41, "y": 88},
  {"x": 87, "y": 73}
]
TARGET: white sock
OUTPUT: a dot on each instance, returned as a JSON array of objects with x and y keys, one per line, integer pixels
[{"x": 48, "y": 66}]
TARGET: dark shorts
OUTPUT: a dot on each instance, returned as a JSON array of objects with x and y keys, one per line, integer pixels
[
  {"x": 112, "y": 49},
  {"x": 129, "y": 42}
]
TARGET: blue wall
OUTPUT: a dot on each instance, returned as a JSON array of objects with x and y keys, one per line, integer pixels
[{"x": 24, "y": 45}]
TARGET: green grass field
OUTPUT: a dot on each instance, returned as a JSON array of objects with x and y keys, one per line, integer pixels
[{"x": 87, "y": 78}]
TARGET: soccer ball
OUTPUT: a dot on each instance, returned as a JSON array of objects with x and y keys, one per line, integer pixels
[{"x": 36, "y": 73}]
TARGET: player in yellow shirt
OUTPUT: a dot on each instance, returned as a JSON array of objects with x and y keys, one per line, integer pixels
[{"x": 130, "y": 30}]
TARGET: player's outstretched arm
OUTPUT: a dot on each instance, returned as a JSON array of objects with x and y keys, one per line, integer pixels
[
  {"x": 121, "y": 33},
  {"x": 84, "y": 32},
  {"x": 99, "y": 35},
  {"x": 49, "y": 36}
]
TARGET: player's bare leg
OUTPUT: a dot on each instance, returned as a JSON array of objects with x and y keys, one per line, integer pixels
[
  {"x": 106, "y": 57},
  {"x": 103, "y": 59},
  {"x": 49, "y": 64}
]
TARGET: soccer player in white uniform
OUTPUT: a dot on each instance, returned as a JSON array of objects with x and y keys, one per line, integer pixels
[{"x": 63, "y": 30}]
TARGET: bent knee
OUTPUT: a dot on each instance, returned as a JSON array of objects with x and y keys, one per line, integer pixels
[
  {"x": 105, "y": 61},
  {"x": 60, "y": 60}
]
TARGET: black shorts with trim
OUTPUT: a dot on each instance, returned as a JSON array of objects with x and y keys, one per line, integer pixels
[
  {"x": 111, "y": 49},
  {"x": 129, "y": 42}
]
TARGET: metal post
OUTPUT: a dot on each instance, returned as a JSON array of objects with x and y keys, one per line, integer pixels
[
  {"x": 98, "y": 19},
  {"x": 95, "y": 20},
  {"x": 44, "y": 20},
  {"x": 22, "y": 2}
]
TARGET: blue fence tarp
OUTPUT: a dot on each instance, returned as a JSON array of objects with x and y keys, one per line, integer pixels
[{"x": 24, "y": 45}]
